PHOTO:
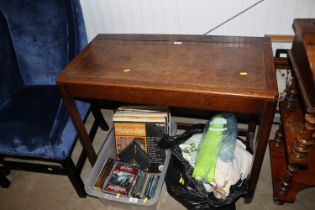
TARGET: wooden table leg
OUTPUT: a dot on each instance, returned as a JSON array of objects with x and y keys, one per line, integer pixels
[
  {"x": 251, "y": 132},
  {"x": 78, "y": 124},
  {"x": 262, "y": 141}
]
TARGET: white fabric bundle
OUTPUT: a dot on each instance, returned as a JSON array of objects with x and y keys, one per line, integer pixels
[{"x": 228, "y": 173}]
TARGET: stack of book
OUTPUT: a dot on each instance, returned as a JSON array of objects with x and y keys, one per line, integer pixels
[
  {"x": 143, "y": 126},
  {"x": 139, "y": 160}
]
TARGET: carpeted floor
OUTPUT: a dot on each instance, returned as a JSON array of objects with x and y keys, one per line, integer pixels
[{"x": 33, "y": 191}]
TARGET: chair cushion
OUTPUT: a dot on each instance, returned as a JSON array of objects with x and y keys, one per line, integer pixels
[
  {"x": 35, "y": 123},
  {"x": 10, "y": 78},
  {"x": 46, "y": 34}
]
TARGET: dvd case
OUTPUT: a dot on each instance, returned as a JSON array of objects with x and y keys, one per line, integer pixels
[{"x": 121, "y": 179}]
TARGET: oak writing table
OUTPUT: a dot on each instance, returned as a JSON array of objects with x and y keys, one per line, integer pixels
[{"x": 232, "y": 74}]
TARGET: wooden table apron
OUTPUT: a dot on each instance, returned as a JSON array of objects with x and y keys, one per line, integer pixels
[{"x": 261, "y": 99}]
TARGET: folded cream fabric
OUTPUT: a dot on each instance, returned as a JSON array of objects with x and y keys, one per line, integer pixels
[{"x": 228, "y": 173}]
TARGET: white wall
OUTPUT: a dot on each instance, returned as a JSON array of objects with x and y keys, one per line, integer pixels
[{"x": 193, "y": 16}]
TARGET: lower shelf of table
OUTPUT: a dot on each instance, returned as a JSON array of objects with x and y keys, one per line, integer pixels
[{"x": 304, "y": 178}]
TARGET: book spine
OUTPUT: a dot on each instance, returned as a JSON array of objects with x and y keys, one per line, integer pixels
[{"x": 106, "y": 169}]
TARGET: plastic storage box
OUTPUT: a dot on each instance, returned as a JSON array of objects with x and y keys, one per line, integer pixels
[{"x": 108, "y": 151}]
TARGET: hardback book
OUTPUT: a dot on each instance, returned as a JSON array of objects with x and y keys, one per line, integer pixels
[
  {"x": 145, "y": 128},
  {"x": 121, "y": 179}
]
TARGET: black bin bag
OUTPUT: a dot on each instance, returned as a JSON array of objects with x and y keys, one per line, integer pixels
[{"x": 185, "y": 189}]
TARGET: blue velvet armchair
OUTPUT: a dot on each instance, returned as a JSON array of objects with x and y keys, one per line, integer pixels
[{"x": 37, "y": 39}]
